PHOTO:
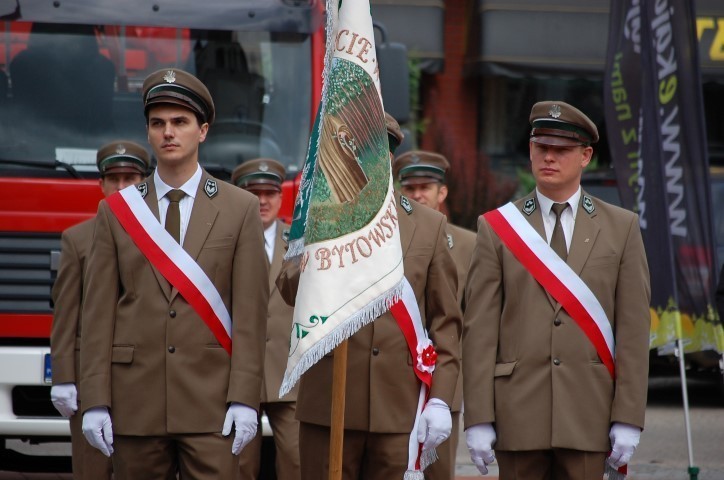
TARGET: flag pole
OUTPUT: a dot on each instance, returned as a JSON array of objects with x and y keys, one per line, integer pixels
[
  {"x": 679, "y": 352},
  {"x": 336, "y": 437}
]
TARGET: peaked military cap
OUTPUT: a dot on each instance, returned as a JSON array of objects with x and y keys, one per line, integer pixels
[
  {"x": 394, "y": 132},
  {"x": 178, "y": 87},
  {"x": 259, "y": 174},
  {"x": 558, "y": 123},
  {"x": 420, "y": 166},
  {"x": 122, "y": 156}
]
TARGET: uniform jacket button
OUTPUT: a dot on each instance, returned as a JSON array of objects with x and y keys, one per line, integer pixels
[
  {"x": 172, "y": 314},
  {"x": 556, "y": 361},
  {"x": 375, "y": 351},
  {"x": 171, "y": 349},
  {"x": 557, "y": 322}
]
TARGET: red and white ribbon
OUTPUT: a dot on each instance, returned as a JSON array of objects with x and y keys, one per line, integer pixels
[
  {"x": 174, "y": 263},
  {"x": 564, "y": 285},
  {"x": 407, "y": 314}
]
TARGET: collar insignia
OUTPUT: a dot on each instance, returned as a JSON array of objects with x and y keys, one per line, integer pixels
[
  {"x": 529, "y": 206},
  {"x": 555, "y": 111},
  {"x": 211, "y": 188},
  {"x": 450, "y": 242},
  {"x": 405, "y": 204},
  {"x": 170, "y": 76},
  {"x": 120, "y": 149},
  {"x": 588, "y": 204},
  {"x": 142, "y": 189},
  {"x": 285, "y": 235}
]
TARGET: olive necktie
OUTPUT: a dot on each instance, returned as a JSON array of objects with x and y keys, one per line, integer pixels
[
  {"x": 558, "y": 239},
  {"x": 173, "y": 214}
]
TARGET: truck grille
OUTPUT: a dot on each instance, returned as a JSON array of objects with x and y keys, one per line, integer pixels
[{"x": 26, "y": 276}]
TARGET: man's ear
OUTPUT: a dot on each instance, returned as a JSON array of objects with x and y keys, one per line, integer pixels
[{"x": 442, "y": 194}]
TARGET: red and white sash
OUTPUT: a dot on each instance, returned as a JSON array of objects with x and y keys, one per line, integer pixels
[
  {"x": 558, "y": 279},
  {"x": 407, "y": 314},
  {"x": 174, "y": 263}
]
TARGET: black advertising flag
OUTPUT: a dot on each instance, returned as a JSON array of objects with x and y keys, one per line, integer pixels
[{"x": 655, "y": 124}]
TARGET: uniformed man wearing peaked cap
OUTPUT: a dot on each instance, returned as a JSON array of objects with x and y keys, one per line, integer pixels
[
  {"x": 423, "y": 177},
  {"x": 121, "y": 163},
  {"x": 200, "y": 396},
  {"x": 263, "y": 177},
  {"x": 530, "y": 357}
]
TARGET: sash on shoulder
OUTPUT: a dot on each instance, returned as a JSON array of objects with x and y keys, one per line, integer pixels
[
  {"x": 556, "y": 277},
  {"x": 172, "y": 261}
]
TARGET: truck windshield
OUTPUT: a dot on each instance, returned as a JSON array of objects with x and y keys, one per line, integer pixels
[{"x": 67, "y": 89}]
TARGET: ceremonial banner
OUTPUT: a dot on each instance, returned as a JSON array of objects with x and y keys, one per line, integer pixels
[
  {"x": 344, "y": 227},
  {"x": 654, "y": 119}
]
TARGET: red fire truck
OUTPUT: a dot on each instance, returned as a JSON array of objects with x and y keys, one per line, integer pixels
[{"x": 71, "y": 72}]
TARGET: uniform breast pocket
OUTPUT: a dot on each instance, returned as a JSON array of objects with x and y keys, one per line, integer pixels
[
  {"x": 602, "y": 261},
  {"x": 219, "y": 243}
]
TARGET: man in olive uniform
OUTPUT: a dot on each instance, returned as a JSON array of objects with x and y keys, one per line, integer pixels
[
  {"x": 176, "y": 299},
  {"x": 263, "y": 177},
  {"x": 423, "y": 177},
  {"x": 382, "y": 390},
  {"x": 556, "y": 334},
  {"x": 121, "y": 163}
]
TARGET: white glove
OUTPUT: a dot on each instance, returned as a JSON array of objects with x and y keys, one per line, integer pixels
[
  {"x": 98, "y": 430},
  {"x": 480, "y": 439},
  {"x": 245, "y": 419},
  {"x": 435, "y": 424},
  {"x": 65, "y": 398},
  {"x": 624, "y": 439}
]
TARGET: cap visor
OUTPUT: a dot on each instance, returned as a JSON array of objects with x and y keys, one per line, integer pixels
[
  {"x": 419, "y": 180},
  {"x": 556, "y": 141},
  {"x": 172, "y": 101},
  {"x": 263, "y": 187},
  {"x": 123, "y": 169}
]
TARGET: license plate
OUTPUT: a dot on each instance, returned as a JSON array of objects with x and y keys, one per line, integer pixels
[{"x": 47, "y": 370}]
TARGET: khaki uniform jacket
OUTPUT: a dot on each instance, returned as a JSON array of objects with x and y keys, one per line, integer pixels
[
  {"x": 67, "y": 295},
  {"x": 278, "y": 327},
  {"x": 528, "y": 367},
  {"x": 461, "y": 243},
  {"x": 146, "y": 353},
  {"x": 382, "y": 390}
]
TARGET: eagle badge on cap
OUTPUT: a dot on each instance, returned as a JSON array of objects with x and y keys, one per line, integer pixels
[
  {"x": 529, "y": 206},
  {"x": 588, "y": 204},
  {"x": 555, "y": 111},
  {"x": 142, "y": 189},
  {"x": 120, "y": 149},
  {"x": 211, "y": 188},
  {"x": 170, "y": 76},
  {"x": 263, "y": 166},
  {"x": 405, "y": 204}
]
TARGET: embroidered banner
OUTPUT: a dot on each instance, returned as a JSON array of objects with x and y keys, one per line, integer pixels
[{"x": 344, "y": 226}]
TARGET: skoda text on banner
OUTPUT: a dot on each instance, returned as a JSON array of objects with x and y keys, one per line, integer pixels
[
  {"x": 345, "y": 222},
  {"x": 655, "y": 124}
]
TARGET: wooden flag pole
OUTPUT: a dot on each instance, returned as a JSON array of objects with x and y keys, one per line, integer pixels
[{"x": 336, "y": 437}]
